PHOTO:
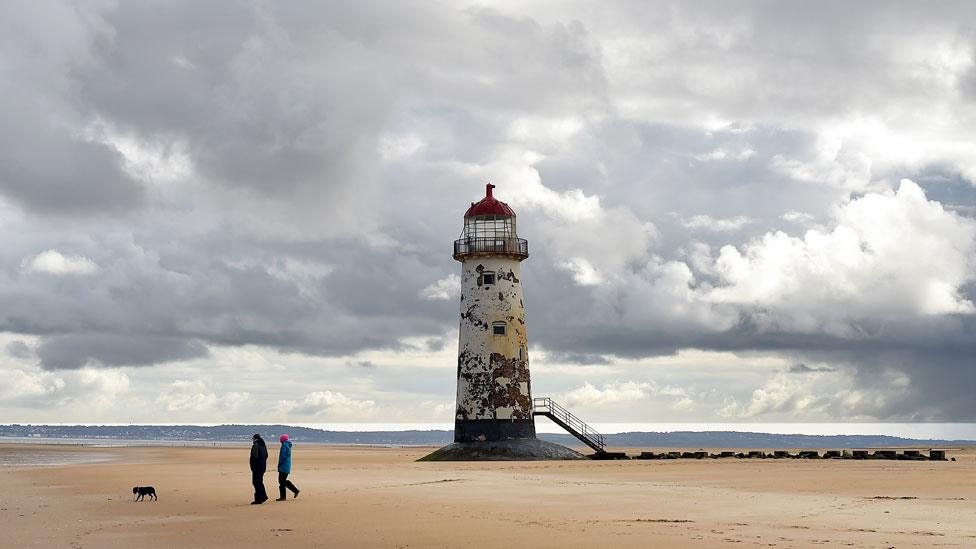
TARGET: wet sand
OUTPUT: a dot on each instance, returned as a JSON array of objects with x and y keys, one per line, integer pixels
[{"x": 379, "y": 497}]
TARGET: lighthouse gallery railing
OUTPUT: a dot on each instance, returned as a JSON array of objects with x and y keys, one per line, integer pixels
[{"x": 491, "y": 245}]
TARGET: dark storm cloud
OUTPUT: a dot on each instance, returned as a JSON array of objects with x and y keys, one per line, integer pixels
[
  {"x": 317, "y": 159},
  {"x": 19, "y": 349},
  {"x": 290, "y": 101},
  {"x": 76, "y": 350},
  {"x": 801, "y": 368},
  {"x": 933, "y": 386},
  {"x": 286, "y": 113},
  {"x": 85, "y": 178},
  {"x": 47, "y": 165},
  {"x": 172, "y": 302},
  {"x": 577, "y": 358}
]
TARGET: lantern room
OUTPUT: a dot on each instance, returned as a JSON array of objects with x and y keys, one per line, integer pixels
[{"x": 489, "y": 229}]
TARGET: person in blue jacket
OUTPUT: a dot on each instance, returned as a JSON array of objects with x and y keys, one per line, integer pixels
[{"x": 284, "y": 468}]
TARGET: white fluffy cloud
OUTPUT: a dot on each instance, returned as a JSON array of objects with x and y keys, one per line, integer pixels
[
  {"x": 831, "y": 165},
  {"x": 328, "y": 405},
  {"x": 709, "y": 223},
  {"x": 887, "y": 255},
  {"x": 446, "y": 288},
  {"x": 86, "y": 390},
  {"x": 590, "y": 396},
  {"x": 54, "y": 262},
  {"x": 587, "y": 394},
  {"x": 818, "y": 395},
  {"x": 194, "y": 396},
  {"x": 679, "y": 303},
  {"x": 584, "y": 273}
]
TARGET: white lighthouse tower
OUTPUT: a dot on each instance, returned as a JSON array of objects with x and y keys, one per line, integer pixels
[
  {"x": 494, "y": 400},
  {"x": 493, "y": 417}
]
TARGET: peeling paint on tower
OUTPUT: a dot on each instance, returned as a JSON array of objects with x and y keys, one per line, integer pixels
[
  {"x": 494, "y": 398},
  {"x": 491, "y": 364}
]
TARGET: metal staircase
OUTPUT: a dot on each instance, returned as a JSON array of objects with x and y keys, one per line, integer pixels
[{"x": 544, "y": 406}]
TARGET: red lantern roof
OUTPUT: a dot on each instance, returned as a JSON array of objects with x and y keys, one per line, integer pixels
[{"x": 489, "y": 206}]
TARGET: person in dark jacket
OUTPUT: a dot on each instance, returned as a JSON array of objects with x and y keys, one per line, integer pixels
[
  {"x": 259, "y": 464},
  {"x": 284, "y": 469}
]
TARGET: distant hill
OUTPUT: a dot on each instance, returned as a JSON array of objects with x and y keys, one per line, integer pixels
[{"x": 242, "y": 434}]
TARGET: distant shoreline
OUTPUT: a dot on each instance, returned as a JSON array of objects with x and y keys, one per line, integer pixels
[
  {"x": 171, "y": 443},
  {"x": 235, "y": 435}
]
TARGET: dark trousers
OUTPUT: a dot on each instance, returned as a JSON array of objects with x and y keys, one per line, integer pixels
[
  {"x": 283, "y": 483},
  {"x": 257, "y": 479}
]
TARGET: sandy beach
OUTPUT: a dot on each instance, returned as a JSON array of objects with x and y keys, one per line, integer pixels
[{"x": 380, "y": 497}]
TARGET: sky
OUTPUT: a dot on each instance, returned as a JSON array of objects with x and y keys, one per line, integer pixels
[{"x": 736, "y": 211}]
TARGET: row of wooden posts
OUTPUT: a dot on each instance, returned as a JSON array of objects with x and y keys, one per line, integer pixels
[{"x": 910, "y": 455}]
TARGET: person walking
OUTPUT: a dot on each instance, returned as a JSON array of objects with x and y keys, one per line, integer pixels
[
  {"x": 259, "y": 464},
  {"x": 284, "y": 469}
]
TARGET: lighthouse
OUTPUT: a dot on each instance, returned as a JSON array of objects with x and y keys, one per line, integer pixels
[
  {"x": 494, "y": 415},
  {"x": 494, "y": 399}
]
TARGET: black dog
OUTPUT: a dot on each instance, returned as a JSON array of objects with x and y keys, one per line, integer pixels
[{"x": 144, "y": 491}]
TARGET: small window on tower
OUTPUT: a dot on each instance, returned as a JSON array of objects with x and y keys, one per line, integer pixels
[
  {"x": 498, "y": 328},
  {"x": 487, "y": 278}
]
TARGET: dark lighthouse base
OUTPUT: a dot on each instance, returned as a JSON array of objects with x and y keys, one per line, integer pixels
[
  {"x": 481, "y": 430},
  {"x": 499, "y": 440},
  {"x": 518, "y": 449}
]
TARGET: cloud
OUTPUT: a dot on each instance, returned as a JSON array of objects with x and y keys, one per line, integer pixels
[
  {"x": 86, "y": 390},
  {"x": 708, "y": 223},
  {"x": 722, "y": 154},
  {"x": 679, "y": 399},
  {"x": 443, "y": 411},
  {"x": 53, "y": 262},
  {"x": 797, "y": 217},
  {"x": 583, "y": 272},
  {"x": 19, "y": 349},
  {"x": 801, "y": 368},
  {"x": 445, "y": 289},
  {"x": 193, "y": 396},
  {"x": 815, "y": 396},
  {"x": 588, "y": 395},
  {"x": 831, "y": 165},
  {"x": 284, "y": 182},
  {"x": 328, "y": 405},
  {"x": 888, "y": 255},
  {"x": 78, "y": 350},
  {"x": 47, "y": 165},
  {"x": 550, "y": 356}
]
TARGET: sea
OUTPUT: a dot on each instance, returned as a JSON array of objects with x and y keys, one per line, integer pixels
[
  {"x": 943, "y": 431},
  {"x": 13, "y": 457}
]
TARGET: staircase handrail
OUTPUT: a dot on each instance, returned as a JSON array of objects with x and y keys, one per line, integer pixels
[{"x": 547, "y": 405}]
